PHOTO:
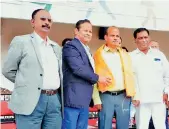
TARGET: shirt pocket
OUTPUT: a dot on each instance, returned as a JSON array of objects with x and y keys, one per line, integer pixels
[{"x": 157, "y": 64}]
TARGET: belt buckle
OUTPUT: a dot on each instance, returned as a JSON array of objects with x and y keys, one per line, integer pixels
[
  {"x": 116, "y": 93},
  {"x": 49, "y": 92}
]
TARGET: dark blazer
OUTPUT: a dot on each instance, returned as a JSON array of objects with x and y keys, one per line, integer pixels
[{"x": 78, "y": 75}]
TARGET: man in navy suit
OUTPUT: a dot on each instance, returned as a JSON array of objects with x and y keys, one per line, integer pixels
[{"x": 79, "y": 77}]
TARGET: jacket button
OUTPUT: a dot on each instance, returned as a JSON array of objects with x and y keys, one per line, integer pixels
[
  {"x": 40, "y": 74},
  {"x": 38, "y": 88}
]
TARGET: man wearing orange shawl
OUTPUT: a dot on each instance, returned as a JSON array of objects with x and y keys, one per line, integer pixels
[{"x": 112, "y": 61}]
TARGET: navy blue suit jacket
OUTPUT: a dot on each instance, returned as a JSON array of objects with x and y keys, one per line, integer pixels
[{"x": 78, "y": 75}]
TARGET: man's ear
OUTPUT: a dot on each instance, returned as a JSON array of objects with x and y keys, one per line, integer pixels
[
  {"x": 105, "y": 37},
  {"x": 134, "y": 40},
  {"x": 76, "y": 31},
  {"x": 32, "y": 22}
]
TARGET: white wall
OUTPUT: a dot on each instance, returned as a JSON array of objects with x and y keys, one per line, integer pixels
[
  {"x": 148, "y": 13},
  {"x": 13, "y": 27}
]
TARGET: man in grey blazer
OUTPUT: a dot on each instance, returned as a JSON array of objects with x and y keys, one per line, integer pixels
[{"x": 34, "y": 64}]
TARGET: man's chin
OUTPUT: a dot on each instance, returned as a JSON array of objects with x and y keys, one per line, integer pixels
[{"x": 87, "y": 41}]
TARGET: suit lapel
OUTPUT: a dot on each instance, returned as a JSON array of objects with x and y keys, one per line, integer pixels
[
  {"x": 55, "y": 51},
  {"x": 80, "y": 46},
  {"x": 36, "y": 48},
  {"x": 82, "y": 49},
  {"x": 57, "y": 56},
  {"x": 59, "y": 59}
]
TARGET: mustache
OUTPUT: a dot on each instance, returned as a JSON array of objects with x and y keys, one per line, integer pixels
[{"x": 46, "y": 26}]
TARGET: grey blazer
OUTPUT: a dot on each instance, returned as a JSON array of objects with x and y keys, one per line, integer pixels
[{"x": 23, "y": 66}]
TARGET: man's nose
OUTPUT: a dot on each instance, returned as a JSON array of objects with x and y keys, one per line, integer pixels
[
  {"x": 46, "y": 21},
  {"x": 115, "y": 38},
  {"x": 144, "y": 40},
  {"x": 89, "y": 33}
]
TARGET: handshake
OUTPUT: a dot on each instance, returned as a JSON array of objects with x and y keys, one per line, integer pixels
[{"x": 104, "y": 80}]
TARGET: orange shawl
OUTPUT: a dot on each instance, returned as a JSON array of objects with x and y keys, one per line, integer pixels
[{"x": 101, "y": 68}]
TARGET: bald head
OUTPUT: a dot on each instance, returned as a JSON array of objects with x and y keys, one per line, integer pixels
[
  {"x": 154, "y": 44},
  {"x": 110, "y": 29}
]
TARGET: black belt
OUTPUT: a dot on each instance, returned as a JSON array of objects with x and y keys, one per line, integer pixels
[
  {"x": 49, "y": 92},
  {"x": 115, "y": 92}
]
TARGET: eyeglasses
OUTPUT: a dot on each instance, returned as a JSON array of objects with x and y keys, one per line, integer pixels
[{"x": 44, "y": 19}]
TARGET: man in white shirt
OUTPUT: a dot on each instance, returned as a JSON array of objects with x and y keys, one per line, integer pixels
[
  {"x": 155, "y": 45},
  {"x": 151, "y": 70}
]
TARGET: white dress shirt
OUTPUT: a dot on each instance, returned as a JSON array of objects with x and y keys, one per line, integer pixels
[
  {"x": 87, "y": 49},
  {"x": 112, "y": 59},
  {"x": 51, "y": 79},
  {"x": 152, "y": 75}
]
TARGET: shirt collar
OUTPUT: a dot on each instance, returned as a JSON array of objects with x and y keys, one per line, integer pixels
[
  {"x": 107, "y": 49},
  {"x": 40, "y": 40},
  {"x": 85, "y": 46},
  {"x": 138, "y": 51}
]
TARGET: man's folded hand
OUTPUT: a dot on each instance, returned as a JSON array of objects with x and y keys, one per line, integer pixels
[{"x": 105, "y": 80}]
